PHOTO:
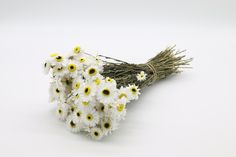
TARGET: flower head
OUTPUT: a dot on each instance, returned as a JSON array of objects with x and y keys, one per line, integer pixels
[
  {"x": 77, "y": 49},
  {"x": 72, "y": 125},
  {"x": 107, "y": 93},
  {"x": 96, "y": 133},
  {"x": 91, "y": 117},
  {"x": 141, "y": 76},
  {"x": 134, "y": 92},
  {"x": 62, "y": 111},
  {"x": 87, "y": 91}
]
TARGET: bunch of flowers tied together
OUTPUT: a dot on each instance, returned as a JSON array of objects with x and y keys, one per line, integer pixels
[{"x": 91, "y": 93}]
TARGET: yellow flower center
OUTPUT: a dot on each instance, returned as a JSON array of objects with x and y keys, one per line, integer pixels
[
  {"x": 59, "y": 58},
  {"x": 85, "y": 103},
  {"x": 120, "y": 107},
  {"x": 71, "y": 67},
  {"x": 89, "y": 117},
  {"x": 82, "y": 60},
  {"x": 108, "y": 79},
  {"x": 92, "y": 71},
  {"x": 87, "y": 90},
  {"x": 53, "y": 54},
  {"x": 77, "y": 85},
  {"x": 77, "y": 49},
  {"x": 97, "y": 81},
  {"x": 133, "y": 90},
  {"x": 122, "y": 95}
]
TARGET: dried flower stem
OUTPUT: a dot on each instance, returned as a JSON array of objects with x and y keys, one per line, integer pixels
[{"x": 164, "y": 64}]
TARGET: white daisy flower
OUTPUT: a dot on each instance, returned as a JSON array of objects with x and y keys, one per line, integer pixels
[
  {"x": 78, "y": 115},
  {"x": 86, "y": 105},
  {"x": 62, "y": 111},
  {"x": 141, "y": 76},
  {"x": 134, "y": 92},
  {"x": 72, "y": 108},
  {"x": 56, "y": 92},
  {"x": 87, "y": 92},
  {"x": 96, "y": 133},
  {"x": 91, "y": 117},
  {"x": 108, "y": 125},
  {"x": 77, "y": 83},
  {"x": 73, "y": 69},
  {"x": 110, "y": 81},
  {"x": 57, "y": 59},
  {"x": 76, "y": 53},
  {"x": 123, "y": 93},
  {"x": 72, "y": 125},
  {"x": 121, "y": 109},
  {"x": 85, "y": 60},
  {"x": 77, "y": 49},
  {"x": 98, "y": 80},
  {"x": 91, "y": 73},
  {"x": 107, "y": 93},
  {"x": 46, "y": 66},
  {"x": 59, "y": 70}
]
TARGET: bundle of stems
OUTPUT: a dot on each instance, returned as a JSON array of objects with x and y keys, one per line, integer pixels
[{"x": 164, "y": 64}]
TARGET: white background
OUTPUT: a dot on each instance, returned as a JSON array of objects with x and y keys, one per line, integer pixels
[{"x": 188, "y": 115}]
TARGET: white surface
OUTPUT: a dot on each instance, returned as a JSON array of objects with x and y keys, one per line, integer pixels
[{"x": 188, "y": 115}]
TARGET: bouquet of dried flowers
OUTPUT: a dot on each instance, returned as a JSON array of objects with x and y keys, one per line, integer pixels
[{"x": 91, "y": 92}]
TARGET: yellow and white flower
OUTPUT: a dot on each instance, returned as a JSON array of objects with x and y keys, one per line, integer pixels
[
  {"x": 57, "y": 58},
  {"x": 72, "y": 67},
  {"x": 120, "y": 109},
  {"x": 98, "y": 80},
  {"x": 141, "y": 76},
  {"x": 85, "y": 60},
  {"x": 91, "y": 117},
  {"x": 87, "y": 92},
  {"x": 134, "y": 92},
  {"x": 62, "y": 111},
  {"x": 91, "y": 73},
  {"x": 56, "y": 92},
  {"x": 77, "y": 83},
  {"x": 108, "y": 126},
  {"x": 72, "y": 108},
  {"x": 96, "y": 133},
  {"x": 110, "y": 81},
  {"x": 124, "y": 93},
  {"x": 77, "y": 49},
  {"x": 78, "y": 115},
  {"x": 59, "y": 70},
  {"x": 107, "y": 93},
  {"x": 72, "y": 125}
]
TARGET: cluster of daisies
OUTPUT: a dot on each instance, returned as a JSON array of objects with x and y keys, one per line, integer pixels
[{"x": 87, "y": 101}]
